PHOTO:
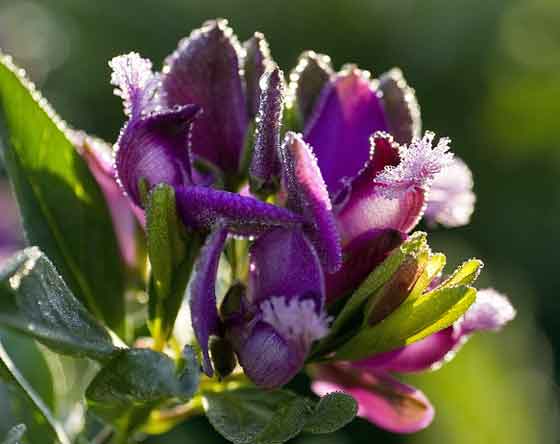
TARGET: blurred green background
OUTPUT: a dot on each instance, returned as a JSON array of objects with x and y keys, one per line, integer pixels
[{"x": 487, "y": 74}]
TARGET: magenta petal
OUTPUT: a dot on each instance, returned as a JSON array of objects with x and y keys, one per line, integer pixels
[
  {"x": 202, "y": 207},
  {"x": 308, "y": 195},
  {"x": 155, "y": 149},
  {"x": 265, "y": 164},
  {"x": 401, "y": 106},
  {"x": 267, "y": 358},
  {"x": 416, "y": 357},
  {"x": 366, "y": 206},
  {"x": 381, "y": 399},
  {"x": 204, "y": 312},
  {"x": 205, "y": 70},
  {"x": 348, "y": 113},
  {"x": 257, "y": 59},
  {"x": 360, "y": 257},
  {"x": 284, "y": 263},
  {"x": 100, "y": 162}
]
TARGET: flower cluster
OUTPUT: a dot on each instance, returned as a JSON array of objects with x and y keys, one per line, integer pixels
[{"x": 323, "y": 177}]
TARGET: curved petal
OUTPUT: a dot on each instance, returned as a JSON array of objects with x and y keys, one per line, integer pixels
[
  {"x": 451, "y": 199},
  {"x": 490, "y": 311},
  {"x": 205, "y": 70},
  {"x": 360, "y": 257},
  {"x": 155, "y": 149},
  {"x": 264, "y": 170},
  {"x": 416, "y": 357},
  {"x": 202, "y": 207},
  {"x": 366, "y": 206},
  {"x": 267, "y": 358},
  {"x": 348, "y": 113},
  {"x": 401, "y": 106},
  {"x": 100, "y": 162},
  {"x": 381, "y": 399},
  {"x": 307, "y": 80},
  {"x": 257, "y": 59},
  {"x": 308, "y": 195},
  {"x": 204, "y": 312},
  {"x": 284, "y": 263}
]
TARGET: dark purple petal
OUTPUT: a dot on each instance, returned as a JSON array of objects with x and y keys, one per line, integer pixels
[
  {"x": 284, "y": 263},
  {"x": 204, "y": 312},
  {"x": 265, "y": 164},
  {"x": 267, "y": 358},
  {"x": 155, "y": 149},
  {"x": 308, "y": 195},
  {"x": 451, "y": 199},
  {"x": 202, "y": 207},
  {"x": 360, "y": 257},
  {"x": 205, "y": 70},
  {"x": 381, "y": 399},
  {"x": 366, "y": 206},
  {"x": 307, "y": 80},
  {"x": 348, "y": 113},
  {"x": 401, "y": 106},
  {"x": 257, "y": 60}
]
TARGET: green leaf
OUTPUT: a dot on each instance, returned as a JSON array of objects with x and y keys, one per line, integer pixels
[
  {"x": 413, "y": 247},
  {"x": 171, "y": 262},
  {"x": 136, "y": 381},
  {"x": 251, "y": 415},
  {"x": 15, "y": 434},
  {"x": 16, "y": 378},
  {"x": 465, "y": 274},
  {"x": 62, "y": 207},
  {"x": 35, "y": 301},
  {"x": 333, "y": 412},
  {"x": 413, "y": 320}
]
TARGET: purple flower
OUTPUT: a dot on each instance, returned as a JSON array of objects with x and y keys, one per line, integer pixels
[
  {"x": 393, "y": 405},
  {"x": 323, "y": 208}
]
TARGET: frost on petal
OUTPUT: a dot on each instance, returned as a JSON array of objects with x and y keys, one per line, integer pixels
[
  {"x": 202, "y": 207},
  {"x": 307, "y": 80},
  {"x": 256, "y": 61},
  {"x": 451, "y": 199},
  {"x": 296, "y": 320},
  {"x": 381, "y": 399},
  {"x": 265, "y": 164},
  {"x": 490, "y": 311},
  {"x": 401, "y": 106},
  {"x": 308, "y": 195},
  {"x": 366, "y": 206},
  {"x": 420, "y": 163},
  {"x": 132, "y": 77},
  {"x": 204, "y": 312}
]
